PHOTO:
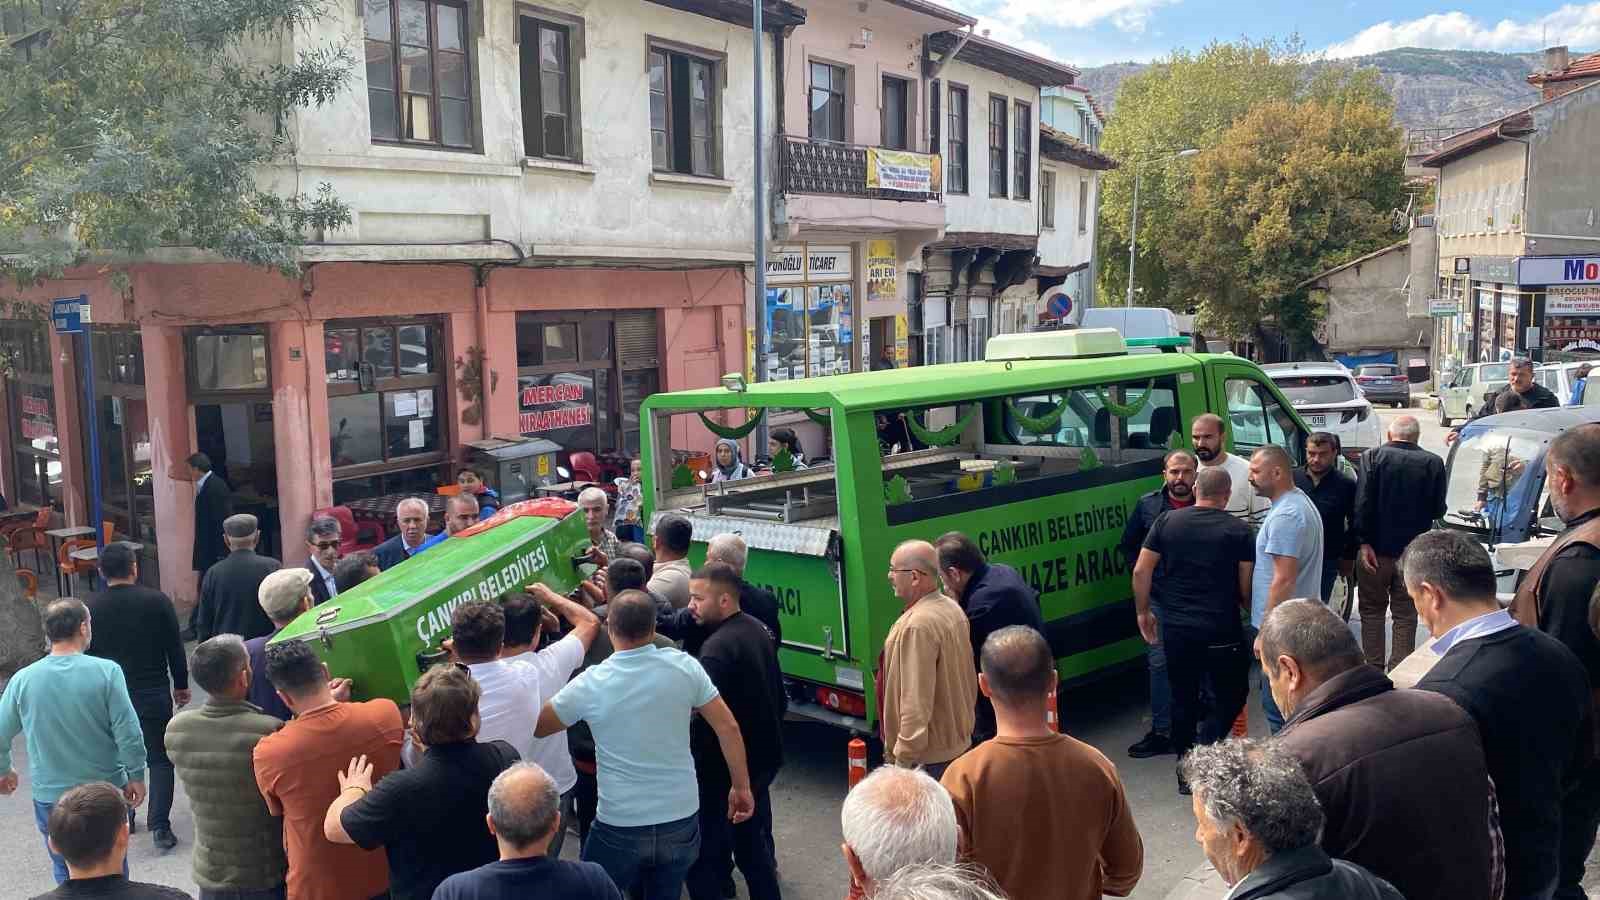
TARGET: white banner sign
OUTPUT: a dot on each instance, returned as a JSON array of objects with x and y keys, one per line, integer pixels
[
  {"x": 1572, "y": 301},
  {"x": 792, "y": 265},
  {"x": 1558, "y": 270}
]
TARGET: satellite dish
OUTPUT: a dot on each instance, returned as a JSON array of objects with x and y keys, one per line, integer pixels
[{"x": 1062, "y": 307}]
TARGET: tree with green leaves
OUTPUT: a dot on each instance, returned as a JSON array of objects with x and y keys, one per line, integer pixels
[{"x": 129, "y": 125}]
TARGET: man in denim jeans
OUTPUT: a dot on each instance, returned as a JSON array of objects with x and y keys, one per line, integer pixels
[{"x": 638, "y": 703}]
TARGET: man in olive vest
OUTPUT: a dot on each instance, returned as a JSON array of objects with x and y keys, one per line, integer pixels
[{"x": 1554, "y": 597}]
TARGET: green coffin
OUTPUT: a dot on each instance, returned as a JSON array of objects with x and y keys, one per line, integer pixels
[{"x": 383, "y": 633}]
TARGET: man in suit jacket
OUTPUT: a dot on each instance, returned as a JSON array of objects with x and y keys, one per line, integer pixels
[
  {"x": 213, "y": 504},
  {"x": 228, "y": 593},
  {"x": 412, "y": 516},
  {"x": 322, "y": 543}
]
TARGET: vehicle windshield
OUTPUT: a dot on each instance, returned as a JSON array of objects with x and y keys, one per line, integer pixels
[
  {"x": 1383, "y": 371},
  {"x": 1316, "y": 390},
  {"x": 1494, "y": 372},
  {"x": 1494, "y": 480}
]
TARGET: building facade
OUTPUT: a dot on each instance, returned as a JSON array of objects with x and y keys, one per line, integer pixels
[
  {"x": 520, "y": 177},
  {"x": 1069, "y": 192}
]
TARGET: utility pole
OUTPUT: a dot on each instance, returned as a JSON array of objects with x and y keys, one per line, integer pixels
[{"x": 760, "y": 204}]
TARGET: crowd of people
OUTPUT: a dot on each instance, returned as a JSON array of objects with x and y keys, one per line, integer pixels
[{"x": 643, "y": 714}]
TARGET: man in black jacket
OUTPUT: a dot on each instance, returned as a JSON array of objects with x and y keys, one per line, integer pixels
[
  {"x": 731, "y": 550},
  {"x": 993, "y": 596},
  {"x": 1401, "y": 494},
  {"x": 213, "y": 504},
  {"x": 228, "y": 601},
  {"x": 742, "y": 662},
  {"x": 1334, "y": 494},
  {"x": 1392, "y": 770},
  {"x": 1521, "y": 375},
  {"x": 1178, "y": 492},
  {"x": 322, "y": 548},
  {"x": 137, "y": 628},
  {"x": 1528, "y": 693}
]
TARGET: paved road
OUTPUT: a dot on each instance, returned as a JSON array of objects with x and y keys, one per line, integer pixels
[{"x": 1110, "y": 715}]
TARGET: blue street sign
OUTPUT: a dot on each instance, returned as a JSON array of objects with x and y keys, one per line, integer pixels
[
  {"x": 1059, "y": 307},
  {"x": 69, "y": 313}
]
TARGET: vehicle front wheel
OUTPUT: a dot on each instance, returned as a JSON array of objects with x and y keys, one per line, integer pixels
[{"x": 1444, "y": 420}]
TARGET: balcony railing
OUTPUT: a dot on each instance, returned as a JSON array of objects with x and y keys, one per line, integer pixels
[{"x": 848, "y": 170}]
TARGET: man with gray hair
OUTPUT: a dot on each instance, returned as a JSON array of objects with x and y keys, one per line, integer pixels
[
  {"x": 1401, "y": 494},
  {"x": 283, "y": 596},
  {"x": 1257, "y": 820},
  {"x": 1392, "y": 769},
  {"x": 411, "y": 514},
  {"x": 895, "y": 818},
  {"x": 939, "y": 881},
  {"x": 730, "y": 549},
  {"x": 228, "y": 592},
  {"x": 322, "y": 548},
  {"x": 524, "y": 812},
  {"x": 594, "y": 502},
  {"x": 927, "y": 682}
]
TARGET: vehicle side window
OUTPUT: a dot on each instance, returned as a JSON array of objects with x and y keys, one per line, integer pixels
[
  {"x": 1257, "y": 418},
  {"x": 1466, "y": 377}
]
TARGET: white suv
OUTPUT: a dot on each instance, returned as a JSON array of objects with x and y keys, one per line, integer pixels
[{"x": 1327, "y": 398}]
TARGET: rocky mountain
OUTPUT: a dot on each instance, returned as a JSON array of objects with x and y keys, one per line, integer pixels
[{"x": 1432, "y": 88}]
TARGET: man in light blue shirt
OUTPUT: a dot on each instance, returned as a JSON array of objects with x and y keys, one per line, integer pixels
[
  {"x": 79, "y": 722},
  {"x": 1288, "y": 549},
  {"x": 638, "y": 704}
]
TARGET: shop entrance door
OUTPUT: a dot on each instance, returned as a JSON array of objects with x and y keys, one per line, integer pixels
[{"x": 237, "y": 436}]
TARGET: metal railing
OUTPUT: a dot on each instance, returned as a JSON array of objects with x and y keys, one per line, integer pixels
[
  {"x": 1427, "y": 141},
  {"x": 825, "y": 167}
]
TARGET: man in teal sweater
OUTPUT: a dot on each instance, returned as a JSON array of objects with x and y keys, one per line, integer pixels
[{"x": 80, "y": 724}]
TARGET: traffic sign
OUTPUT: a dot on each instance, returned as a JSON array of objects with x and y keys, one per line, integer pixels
[
  {"x": 1443, "y": 308},
  {"x": 70, "y": 314},
  {"x": 1059, "y": 307}
]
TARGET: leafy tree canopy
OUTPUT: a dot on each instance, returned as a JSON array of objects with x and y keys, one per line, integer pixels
[{"x": 128, "y": 125}]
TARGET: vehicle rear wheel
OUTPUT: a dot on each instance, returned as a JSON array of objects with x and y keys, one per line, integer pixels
[{"x": 1444, "y": 420}]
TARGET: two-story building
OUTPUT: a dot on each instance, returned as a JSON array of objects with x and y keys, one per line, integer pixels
[
  {"x": 1071, "y": 165},
  {"x": 1518, "y": 238},
  {"x": 553, "y": 208},
  {"x": 980, "y": 278}
]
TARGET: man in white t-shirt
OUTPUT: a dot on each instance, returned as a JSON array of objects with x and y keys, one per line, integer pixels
[
  {"x": 515, "y": 689},
  {"x": 1207, "y": 433}
]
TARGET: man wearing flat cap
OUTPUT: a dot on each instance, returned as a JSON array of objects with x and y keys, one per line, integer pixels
[{"x": 229, "y": 601}]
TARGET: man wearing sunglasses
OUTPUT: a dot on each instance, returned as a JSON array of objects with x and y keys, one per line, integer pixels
[{"x": 322, "y": 542}]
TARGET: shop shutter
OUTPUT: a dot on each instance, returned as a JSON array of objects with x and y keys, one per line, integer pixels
[{"x": 637, "y": 342}]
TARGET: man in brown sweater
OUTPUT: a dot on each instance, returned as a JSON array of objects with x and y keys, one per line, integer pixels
[
  {"x": 1043, "y": 812},
  {"x": 930, "y": 689}
]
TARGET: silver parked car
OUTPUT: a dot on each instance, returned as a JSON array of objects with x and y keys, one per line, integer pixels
[{"x": 1472, "y": 385}]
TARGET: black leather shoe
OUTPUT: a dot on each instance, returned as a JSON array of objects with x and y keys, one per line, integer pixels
[
  {"x": 1153, "y": 744},
  {"x": 164, "y": 839},
  {"x": 1183, "y": 786}
]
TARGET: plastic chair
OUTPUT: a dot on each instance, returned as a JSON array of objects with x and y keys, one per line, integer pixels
[
  {"x": 30, "y": 584},
  {"x": 585, "y": 467},
  {"x": 353, "y": 538},
  {"x": 30, "y": 537},
  {"x": 68, "y": 566},
  {"x": 447, "y": 490}
]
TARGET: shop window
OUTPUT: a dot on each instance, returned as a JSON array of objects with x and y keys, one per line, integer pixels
[
  {"x": 582, "y": 376},
  {"x": 685, "y": 92},
  {"x": 124, "y": 424},
  {"x": 384, "y": 388},
  {"x": 956, "y": 160},
  {"x": 228, "y": 360},
  {"x": 998, "y": 146},
  {"x": 811, "y": 314},
  {"x": 549, "y": 89},
  {"x": 419, "y": 76}
]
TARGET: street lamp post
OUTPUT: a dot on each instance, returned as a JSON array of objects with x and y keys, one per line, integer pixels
[{"x": 1133, "y": 231}]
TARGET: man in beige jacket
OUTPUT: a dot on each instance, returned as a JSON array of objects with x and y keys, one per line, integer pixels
[{"x": 930, "y": 687}]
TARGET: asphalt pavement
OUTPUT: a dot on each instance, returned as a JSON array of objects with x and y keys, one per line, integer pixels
[{"x": 1111, "y": 715}]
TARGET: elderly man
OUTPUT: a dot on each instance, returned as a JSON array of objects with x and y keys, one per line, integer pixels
[
  {"x": 669, "y": 579},
  {"x": 283, "y": 596},
  {"x": 1044, "y": 813},
  {"x": 1288, "y": 549},
  {"x": 74, "y": 712},
  {"x": 731, "y": 550},
  {"x": 138, "y": 631},
  {"x": 928, "y": 684},
  {"x": 638, "y": 703},
  {"x": 412, "y": 516},
  {"x": 524, "y": 814},
  {"x": 1521, "y": 381},
  {"x": 893, "y": 819},
  {"x": 427, "y": 818},
  {"x": 1555, "y": 598},
  {"x": 238, "y": 844},
  {"x": 228, "y": 592},
  {"x": 993, "y": 596},
  {"x": 593, "y": 502},
  {"x": 1257, "y": 820},
  {"x": 1537, "y": 741},
  {"x": 1177, "y": 492},
  {"x": 322, "y": 548},
  {"x": 1206, "y": 434},
  {"x": 1195, "y": 569},
  {"x": 88, "y": 826},
  {"x": 1392, "y": 769},
  {"x": 1402, "y": 493},
  {"x": 213, "y": 504}
]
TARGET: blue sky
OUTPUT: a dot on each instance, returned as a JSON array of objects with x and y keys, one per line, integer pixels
[{"x": 1093, "y": 32}]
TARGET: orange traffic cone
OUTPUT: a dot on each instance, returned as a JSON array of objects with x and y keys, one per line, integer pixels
[
  {"x": 858, "y": 760},
  {"x": 1241, "y": 725}
]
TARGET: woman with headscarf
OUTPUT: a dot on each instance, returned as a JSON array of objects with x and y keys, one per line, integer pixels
[
  {"x": 727, "y": 466},
  {"x": 785, "y": 439}
]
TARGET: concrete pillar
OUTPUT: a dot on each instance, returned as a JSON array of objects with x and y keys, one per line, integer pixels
[
  {"x": 166, "y": 386},
  {"x": 71, "y": 437},
  {"x": 299, "y": 430}
]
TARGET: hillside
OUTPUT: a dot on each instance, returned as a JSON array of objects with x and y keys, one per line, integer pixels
[{"x": 1432, "y": 88}]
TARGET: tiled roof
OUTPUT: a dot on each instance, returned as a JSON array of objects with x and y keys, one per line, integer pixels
[
  {"x": 1582, "y": 67},
  {"x": 1093, "y": 103},
  {"x": 1063, "y": 147}
]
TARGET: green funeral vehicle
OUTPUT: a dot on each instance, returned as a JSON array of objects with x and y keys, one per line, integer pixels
[{"x": 1038, "y": 453}]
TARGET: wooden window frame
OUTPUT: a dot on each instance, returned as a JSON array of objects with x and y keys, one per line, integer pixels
[
  {"x": 718, "y": 63},
  {"x": 960, "y": 124},
  {"x": 435, "y": 111},
  {"x": 884, "y": 122},
  {"x": 935, "y": 110},
  {"x": 1047, "y": 200},
  {"x": 435, "y": 381},
  {"x": 573, "y": 28},
  {"x": 999, "y": 146},
  {"x": 842, "y": 93},
  {"x": 1022, "y": 152},
  {"x": 199, "y": 397},
  {"x": 1083, "y": 205}
]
